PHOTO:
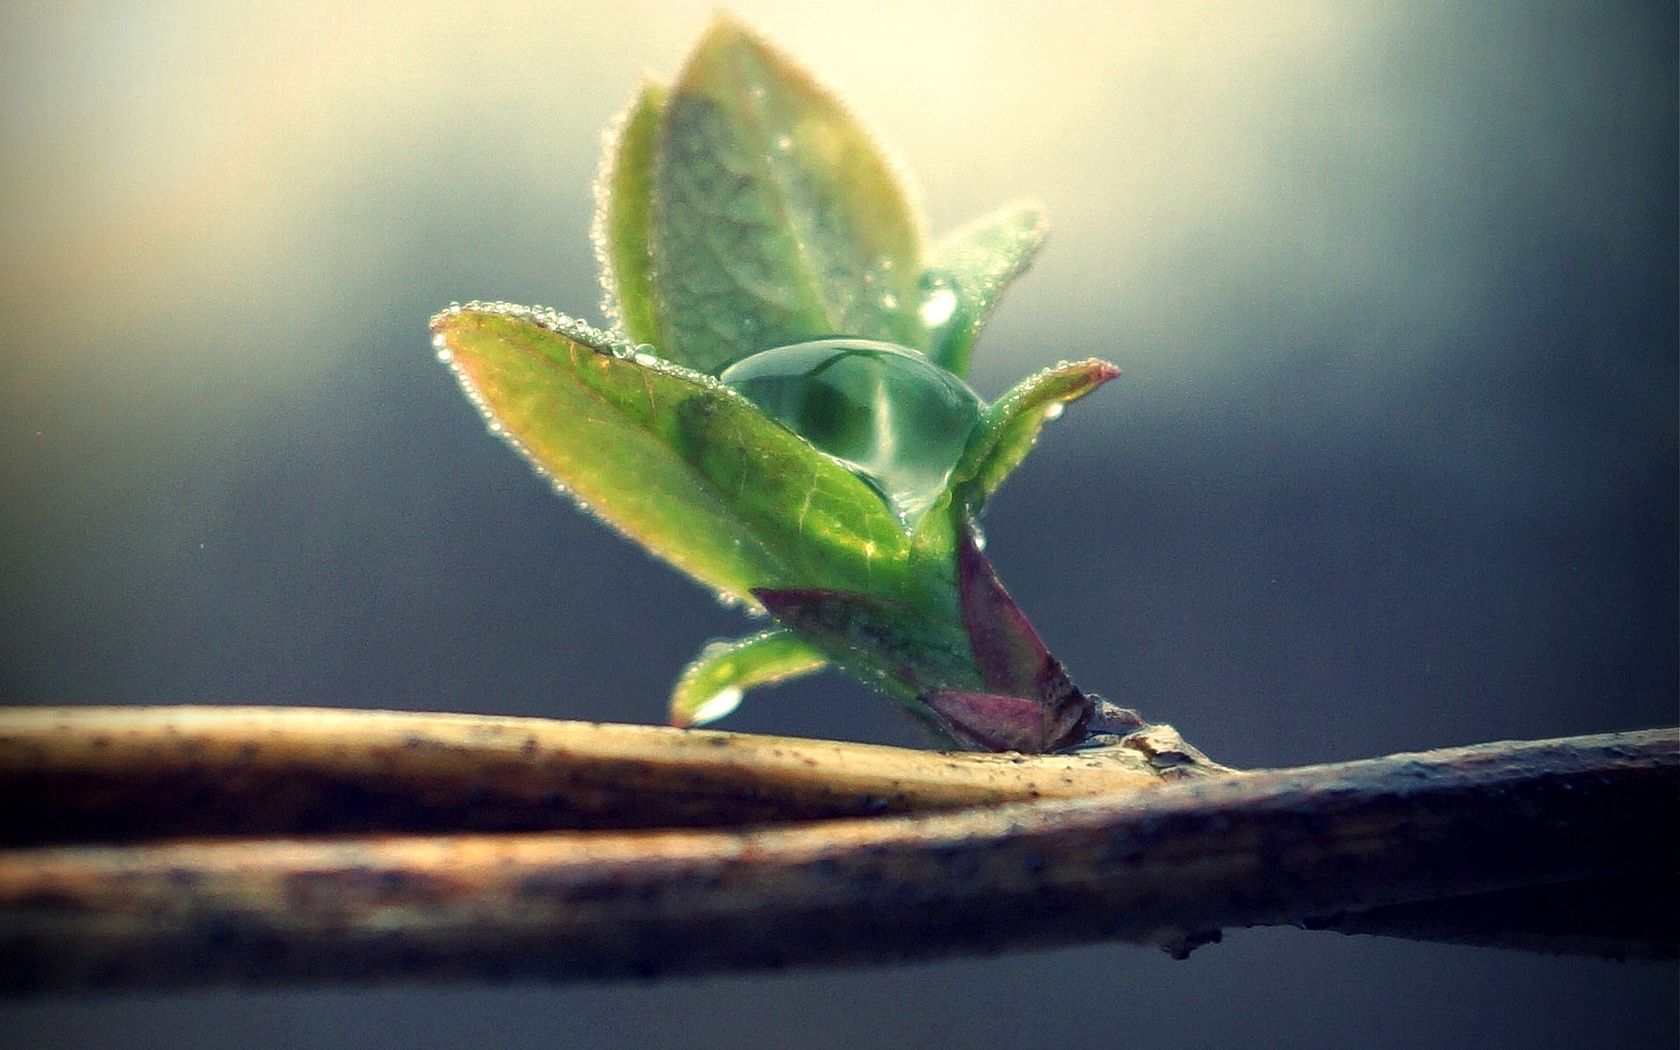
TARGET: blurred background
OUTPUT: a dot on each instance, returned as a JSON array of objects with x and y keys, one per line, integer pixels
[{"x": 1392, "y": 464}]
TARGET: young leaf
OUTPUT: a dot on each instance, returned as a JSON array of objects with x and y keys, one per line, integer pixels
[
  {"x": 689, "y": 468},
  {"x": 993, "y": 722},
  {"x": 624, "y": 217},
  {"x": 1009, "y": 428},
  {"x": 776, "y": 218},
  {"x": 1012, "y": 659},
  {"x": 966, "y": 274},
  {"x": 1031, "y": 705},
  {"x": 1005, "y": 434},
  {"x": 711, "y": 686}
]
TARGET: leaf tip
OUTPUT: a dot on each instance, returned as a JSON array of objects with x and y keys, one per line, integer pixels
[
  {"x": 441, "y": 320},
  {"x": 1031, "y": 214},
  {"x": 727, "y": 33}
]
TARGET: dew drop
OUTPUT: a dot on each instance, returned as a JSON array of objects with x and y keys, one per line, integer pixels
[
  {"x": 784, "y": 142},
  {"x": 889, "y": 301},
  {"x": 716, "y": 706},
  {"x": 1054, "y": 410},
  {"x": 891, "y": 416},
  {"x": 940, "y": 302},
  {"x": 714, "y": 649},
  {"x": 938, "y": 307}
]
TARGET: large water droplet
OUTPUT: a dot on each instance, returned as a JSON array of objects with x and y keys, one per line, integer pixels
[{"x": 895, "y": 418}]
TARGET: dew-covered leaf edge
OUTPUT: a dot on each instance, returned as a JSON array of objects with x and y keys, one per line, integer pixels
[
  {"x": 621, "y": 230},
  {"x": 725, "y": 551}
]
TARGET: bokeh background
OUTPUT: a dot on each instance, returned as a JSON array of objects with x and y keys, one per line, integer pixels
[{"x": 1392, "y": 464}]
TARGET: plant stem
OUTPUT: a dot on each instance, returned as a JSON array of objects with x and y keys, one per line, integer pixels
[{"x": 1322, "y": 845}]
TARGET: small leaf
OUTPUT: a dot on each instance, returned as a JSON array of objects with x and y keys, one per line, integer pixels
[
  {"x": 967, "y": 272},
  {"x": 711, "y": 686},
  {"x": 889, "y": 645},
  {"x": 991, "y": 722},
  {"x": 776, "y": 218},
  {"x": 1009, "y": 428},
  {"x": 624, "y": 217},
  {"x": 1031, "y": 704},
  {"x": 689, "y": 468},
  {"x": 1007, "y": 650},
  {"x": 1005, "y": 434}
]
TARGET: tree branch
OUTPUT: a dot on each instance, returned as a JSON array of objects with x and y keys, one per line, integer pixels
[
  {"x": 124, "y": 774},
  {"x": 1350, "y": 845}
]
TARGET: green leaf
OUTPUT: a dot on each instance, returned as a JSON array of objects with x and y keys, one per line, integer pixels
[
  {"x": 899, "y": 649},
  {"x": 1009, "y": 428},
  {"x": 967, "y": 272},
  {"x": 689, "y": 468},
  {"x": 776, "y": 218},
  {"x": 711, "y": 686},
  {"x": 1005, "y": 434},
  {"x": 624, "y": 217}
]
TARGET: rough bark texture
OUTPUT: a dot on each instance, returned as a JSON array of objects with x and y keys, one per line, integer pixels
[{"x": 1393, "y": 845}]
